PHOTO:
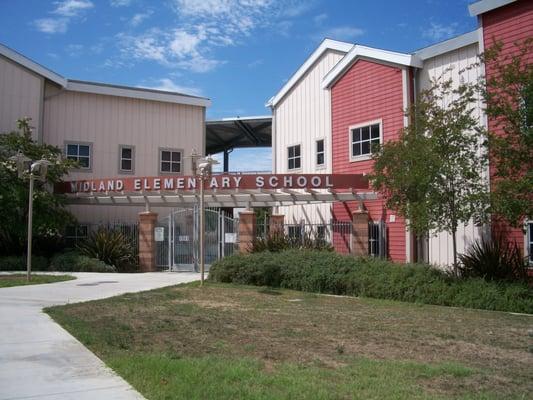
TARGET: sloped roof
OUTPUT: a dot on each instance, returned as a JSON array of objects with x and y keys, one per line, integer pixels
[{"x": 483, "y": 6}]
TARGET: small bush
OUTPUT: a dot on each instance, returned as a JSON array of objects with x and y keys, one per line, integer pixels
[
  {"x": 18, "y": 263},
  {"x": 328, "y": 272},
  {"x": 493, "y": 260},
  {"x": 74, "y": 262},
  {"x": 278, "y": 241},
  {"x": 112, "y": 247}
]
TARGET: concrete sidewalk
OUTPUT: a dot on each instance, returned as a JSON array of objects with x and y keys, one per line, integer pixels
[{"x": 40, "y": 360}]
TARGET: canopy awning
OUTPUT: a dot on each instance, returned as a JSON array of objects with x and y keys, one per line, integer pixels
[
  {"x": 221, "y": 198},
  {"x": 232, "y": 133}
]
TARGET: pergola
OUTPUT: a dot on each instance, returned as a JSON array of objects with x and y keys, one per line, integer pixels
[{"x": 227, "y": 134}]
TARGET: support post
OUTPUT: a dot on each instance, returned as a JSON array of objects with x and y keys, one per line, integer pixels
[
  {"x": 30, "y": 228},
  {"x": 360, "y": 233},
  {"x": 246, "y": 230},
  {"x": 147, "y": 222},
  {"x": 276, "y": 223},
  {"x": 225, "y": 165}
]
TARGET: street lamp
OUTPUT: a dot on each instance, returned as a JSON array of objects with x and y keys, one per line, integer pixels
[
  {"x": 37, "y": 170},
  {"x": 205, "y": 169}
]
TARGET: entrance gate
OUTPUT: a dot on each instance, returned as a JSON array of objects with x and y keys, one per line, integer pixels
[{"x": 180, "y": 249}]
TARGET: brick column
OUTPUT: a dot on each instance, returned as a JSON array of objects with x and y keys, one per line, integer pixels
[
  {"x": 246, "y": 230},
  {"x": 276, "y": 223},
  {"x": 360, "y": 233},
  {"x": 147, "y": 222}
]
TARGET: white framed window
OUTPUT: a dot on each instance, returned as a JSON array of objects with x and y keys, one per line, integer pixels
[
  {"x": 294, "y": 157},
  {"x": 320, "y": 153},
  {"x": 529, "y": 241},
  {"x": 362, "y": 138},
  {"x": 170, "y": 161},
  {"x": 126, "y": 158},
  {"x": 80, "y": 152}
]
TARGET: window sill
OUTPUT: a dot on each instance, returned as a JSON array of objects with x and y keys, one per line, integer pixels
[{"x": 361, "y": 158}]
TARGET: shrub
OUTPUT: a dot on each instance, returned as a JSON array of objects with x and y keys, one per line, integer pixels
[
  {"x": 493, "y": 260},
  {"x": 74, "y": 262},
  {"x": 278, "y": 241},
  {"x": 327, "y": 272},
  {"x": 18, "y": 263},
  {"x": 112, "y": 247}
]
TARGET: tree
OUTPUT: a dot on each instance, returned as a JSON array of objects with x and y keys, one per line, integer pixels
[
  {"x": 434, "y": 175},
  {"x": 508, "y": 94},
  {"x": 50, "y": 216}
]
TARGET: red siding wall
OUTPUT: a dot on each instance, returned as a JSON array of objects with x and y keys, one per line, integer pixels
[
  {"x": 367, "y": 92},
  {"x": 510, "y": 23}
]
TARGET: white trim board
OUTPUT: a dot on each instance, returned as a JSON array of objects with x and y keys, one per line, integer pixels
[
  {"x": 358, "y": 52},
  {"x": 136, "y": 93},
  {"x": 327, "y": 44},
  {"x": 483, "y": 6},
  {"x": 448, "y": 45}
]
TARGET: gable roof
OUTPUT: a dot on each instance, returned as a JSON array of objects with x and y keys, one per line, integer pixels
[
  {"x": 103, "y": 88},
  {"x": 327, "y": 44},
  {"x": 484, "y": 6},
  {"x": 358, "y": 52}
]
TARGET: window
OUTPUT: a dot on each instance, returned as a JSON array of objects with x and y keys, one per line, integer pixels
[
  {"x": 363, "y": 138},
  {"x": 170, "y": 161},
  {"x": 81, "y": 153},
  {"x": 294, "y": 157},
  {"x": 75, "y": 234},
  {"x": 321, "y": 232},
  {"x": 530, "y": 241},
  {"x": 126, "y": 158},
  {"x": 320, "y": 155},
  {"x": 295, "y": 231}
]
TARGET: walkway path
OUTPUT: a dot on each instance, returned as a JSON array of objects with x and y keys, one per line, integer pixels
[{"x": 40, "y": 360}]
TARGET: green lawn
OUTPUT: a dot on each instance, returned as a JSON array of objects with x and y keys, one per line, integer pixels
[
  {"x": 235, "y": 342},
  {"x": 9, "y": 280}
]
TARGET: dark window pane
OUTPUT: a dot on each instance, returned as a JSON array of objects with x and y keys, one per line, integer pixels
[
  {"x": 356, "y": 135},
  {"x": 82, "y": 230},
  {"x": 176, "y": 167},
  {"x": 72, "y": 150},
  {"x": 165, "y": 166},
  {"x": 176, "y": 156},
  {"x": 84, "y": 150},
  {"x": 84, "y": 162},
  {"x": 291, "y": 163},
  {"x": 365, "y": 148},
  {"x": 126, "y": 165},
  {"x": 320, "y": 146},
  {"x": 297, "y": 151},
  {"x": 126, "y": 152},
  {"x": 291, "y": 152},
  {"x": 375, "y": 131},
  {"x": 356, "y": 149},
  {"x": 297, "y": 163},
  {"x": 165, "y": 155},
  {"x": 365, "y": 133},
  {"x": 320, "y": 158},
  {"x": 72, "y": 158}
]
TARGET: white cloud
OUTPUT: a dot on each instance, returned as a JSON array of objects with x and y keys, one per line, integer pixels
[
  {"x": 203, "y": 26},
  {"x": 66, "y": 10},
  {"x": 320, "y": 18},
  {"x": 347, "y": 33},
  {"x": 75, "y": 50},
  {"x": 255, "y": 63},
  {"x": 439, "y": 32},
  {"x": 120, "y": 3},
  {"x": 138, "y": 19},
  {"x": 169, "y": 85},
  {"x": 51, "y": 25},
  {"x": 72, "y": 8}
]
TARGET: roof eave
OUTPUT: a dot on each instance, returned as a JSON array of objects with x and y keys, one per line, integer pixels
[{"x": 484, "y": 6}]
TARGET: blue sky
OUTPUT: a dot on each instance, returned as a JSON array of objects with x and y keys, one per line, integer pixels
[{"x": 236, "y": 52}]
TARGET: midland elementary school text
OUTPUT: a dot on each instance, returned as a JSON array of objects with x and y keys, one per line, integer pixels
[{"x": 265, "y": 181}]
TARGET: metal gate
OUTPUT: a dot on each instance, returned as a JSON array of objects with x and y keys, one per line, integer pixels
[{"x": 179, "y": 251}]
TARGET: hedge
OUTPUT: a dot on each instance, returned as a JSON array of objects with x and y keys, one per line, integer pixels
[
  {"x": 326, "y": 272},
  {"x": 70, "y": 261}
]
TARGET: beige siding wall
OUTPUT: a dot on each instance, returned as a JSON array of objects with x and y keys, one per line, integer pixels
[
  {"x": 452, "y": 65},
  {"x": 108, "y": 122},
  {"x": 302, "y": 117},
  {"x": 20, "y": 96}
]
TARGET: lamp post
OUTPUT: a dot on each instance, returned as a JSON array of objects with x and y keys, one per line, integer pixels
[
  {"x": 37, "y": 170},
  {"x": 205, "y": 170}
]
